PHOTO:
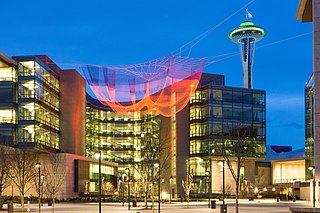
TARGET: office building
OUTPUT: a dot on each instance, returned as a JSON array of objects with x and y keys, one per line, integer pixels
[
  {"x": 43, "y": 108},
  {"x": 309, "y": 11},
  {"x": 47, "y": 109},
  {"x": 221, "y": 114}
]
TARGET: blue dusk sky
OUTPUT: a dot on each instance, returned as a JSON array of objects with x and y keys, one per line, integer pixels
[{"x": 106, "y": 32}]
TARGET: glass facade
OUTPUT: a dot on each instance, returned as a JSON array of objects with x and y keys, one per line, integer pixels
[
  {"x": 309, "y": 123},
  {"x": 38, "y": 104},
  {"x": 122, "y": 139},
  {"x": 108, "y": 178},
  {"x": 29, "y": 117},
  {"x": 218, "y": 115},
  {"x": 8, "y": 102},
  {"x": 86, "y": 178},
  {"x": 29, "y": 103}
]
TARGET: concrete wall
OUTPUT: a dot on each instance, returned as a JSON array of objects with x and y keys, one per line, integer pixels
[
  {"x": 167, "y": 157},
  {"x": 217, "y": 181},
  {"x": 287, "y": 171},
  {"x": 230, "y": 186},
  {"x": 72, "y": 112},
  {"x": 305, "y": 193},
  {"x": 182, "y": 146},
  {"x": 250, "y": 172},
  {"x": 316, "y": 72}
]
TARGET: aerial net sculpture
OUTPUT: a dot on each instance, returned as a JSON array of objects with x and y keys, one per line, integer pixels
[{"x": 161, "y": 86}]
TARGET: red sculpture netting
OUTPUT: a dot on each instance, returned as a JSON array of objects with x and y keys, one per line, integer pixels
[{"x": 162, "y": 86}]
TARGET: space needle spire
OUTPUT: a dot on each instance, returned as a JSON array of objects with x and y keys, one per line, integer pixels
[{"x": 246, "y": 35}]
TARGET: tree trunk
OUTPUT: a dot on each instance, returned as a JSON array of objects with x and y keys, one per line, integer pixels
[
  {"x": 237, "y": 184},
  {"x": 187, "y": 201},
  {"x": 237, "y": 196},
  {"x": 146, "y": 195},
  {"x": 152, "y": 189},
  {"x": 146, "y": 200},
  {"x": 1, "y": 201},
  {"x": 53, "y": 201},
  {"x": 22, "y": 202}
]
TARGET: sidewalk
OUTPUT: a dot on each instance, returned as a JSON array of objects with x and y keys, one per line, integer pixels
[{"x": 261, "y": 206}]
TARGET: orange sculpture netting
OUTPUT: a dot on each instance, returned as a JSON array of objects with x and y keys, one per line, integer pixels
[{"x": 162, "y": 86}]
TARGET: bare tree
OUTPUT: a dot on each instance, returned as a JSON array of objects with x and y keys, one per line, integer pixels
[
  {"x": 155, "y": 151},
  {"x": 146, "y": 168},
  {"x": 55, "y": 173},
  {"x": 22, "y": 165},
  {"x": 187, "y": 183},
  {"x": 236, "y": 145},
  {"x": 5, "y": 176}
]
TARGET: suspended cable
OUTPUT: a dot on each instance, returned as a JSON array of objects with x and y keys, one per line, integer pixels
[
  {"x": 283, "y": 40},
  {"x": 208, "y": 62},
  {"x": 205, "y": 34}
]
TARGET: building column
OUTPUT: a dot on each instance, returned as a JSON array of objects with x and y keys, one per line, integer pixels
[{"x": 316, "y": 71}]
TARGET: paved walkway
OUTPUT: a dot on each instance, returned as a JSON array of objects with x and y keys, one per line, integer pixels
[{"x": 262, "y": 206}]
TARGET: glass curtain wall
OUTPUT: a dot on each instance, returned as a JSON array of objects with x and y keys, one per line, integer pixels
[
  {"x": 309, "y": 123},
  {"x": 225, "y": 114},
  {"x": 38, "y": 105},
  {"x": 8, "y": 104},
  {"x": 116, "y": 135},
  {"x": 240, "y": 113},
  {"x": 108, "y": 178},
  {"x": 128, "y": 141}
]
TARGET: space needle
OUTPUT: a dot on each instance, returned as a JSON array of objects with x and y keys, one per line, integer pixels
[{"x": 246, "y": 35}]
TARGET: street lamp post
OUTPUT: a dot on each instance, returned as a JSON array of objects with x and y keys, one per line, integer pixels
[
  {"x": 312, "y": 168},
  {"x": 221, "y": 163},
  {"x": 170, "y": 183},
  {"x": 205, "y": 186},
  {"x": 152, "y": 177},
  {"x": 128, "y": 171},
  {"x": 122, "y": 188},
  {"x": 12, "y": 182},
  {"x": 159, "y": 182},
  {"x": 99, "y": 157},
  {"x": 38, "y": 165},
  {"x": 99, "y": 180},
  {"x": 41, "y": 189}
]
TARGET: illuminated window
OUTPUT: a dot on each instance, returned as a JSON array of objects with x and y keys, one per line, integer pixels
[
  {"x": 7, "y": 116},
  {"x": 7, "y": 74}
]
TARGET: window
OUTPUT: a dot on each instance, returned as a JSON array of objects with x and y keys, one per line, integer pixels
[
  {"x": 7, "y": 116},
  {"x": 8, "y": 74}
]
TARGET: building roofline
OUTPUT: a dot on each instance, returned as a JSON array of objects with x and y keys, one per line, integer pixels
[
  {"x": 288, "y": 159},
  {"x": 7, "y": 60},
  {"x": 304, "y": 12},
  {"x": 43, "y": 60},
  {"x": 309, "y": 83}
]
